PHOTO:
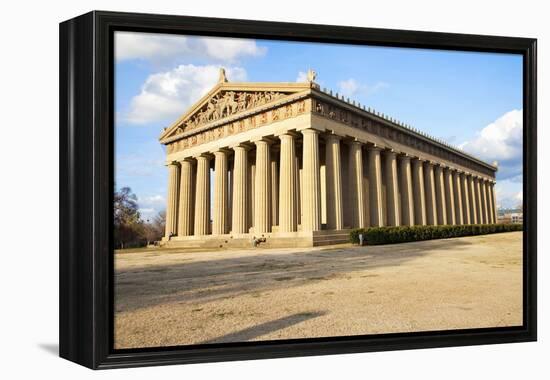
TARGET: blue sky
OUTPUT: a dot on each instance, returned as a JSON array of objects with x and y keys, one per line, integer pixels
[{"x": 471, "y": 100}]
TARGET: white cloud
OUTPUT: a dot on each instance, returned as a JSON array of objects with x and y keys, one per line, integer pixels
[
  {"x": 166, "y": 95},
  {"x": 150, "y": 206},
  {"x": 508, "y": 195},
  {"x": 351, "y": 87},
  {"x": 348, "y": 87},
  {"x": 166, "y": 48},
  {"x": 147, "y": 214},
  {"x": 501, "y": 141},
  {"x": 138, "y": 165},
  {"x": 230, "y": 49},
  {"x": 152, "y": 200},
  {"x": 302, "y": 77}
]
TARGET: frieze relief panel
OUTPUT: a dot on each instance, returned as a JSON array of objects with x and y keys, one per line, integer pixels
[
  {"x": 227, "y": 103},
  {"x": 371, "y": 126},
  {"x": 241, "y": 125}
]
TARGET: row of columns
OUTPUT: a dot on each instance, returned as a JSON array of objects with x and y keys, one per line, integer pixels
[{"x": 388, "y": 189}]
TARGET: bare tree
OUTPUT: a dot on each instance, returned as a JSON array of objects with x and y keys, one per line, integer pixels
[
  {"x": 154, "y": 230},
  {"x": 128, "y": 226}
]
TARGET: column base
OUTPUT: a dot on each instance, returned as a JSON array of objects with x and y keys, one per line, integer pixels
[{"x": 272, "y": 240}]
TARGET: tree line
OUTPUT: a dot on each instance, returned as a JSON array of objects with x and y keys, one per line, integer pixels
[{"x": 130, "y": 230}]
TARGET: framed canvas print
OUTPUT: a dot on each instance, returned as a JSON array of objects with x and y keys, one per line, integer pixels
[{"x": 237, "y": 189}]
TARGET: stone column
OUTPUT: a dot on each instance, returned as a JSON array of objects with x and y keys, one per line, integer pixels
[
  {"x": 375, "y": 187},
  {"x": 449, "y": 196},
  {"x": 323, "y": 179},
  {"x": 251, "y": 190},
  {"x": 335, "y": 210},
  {"x": 239, "y": 212},
  {"x": 479, "y": 201},
  {"x": 311, "y": 181},
  {"x": 440, "y": 196},
  {"x": 405, "y": 184},
  {"x": 219, "y": 217},
  {"x": 172, "y": 200},
  {"x": 392, "y": 189},
  {"x": 185, "y": 213},
  {"x": 230, "y": 191},
  {"x": 465, "y": 198},
  {"x": 459, "y": 216},
  {"x": 357, "y": 194},
  {"x": 262, "y": 188},
  {"x": 298, "y": 190},
  {"x": 202, "y": 196},
  {"x": 288, "y": 210},
  {"x": 473, "y": 199},
  {"x": 419, "y": 192},
  {"x": 490, "y": 212},
  {"x": 274, "y": 191},
  {"x": 429, "y": 189},
  {"x": 494, "y": 201},
  {"x": 484, "y": 200}
]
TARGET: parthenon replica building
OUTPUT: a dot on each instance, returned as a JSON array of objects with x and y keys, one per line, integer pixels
[{"x": 298, "y": 166}]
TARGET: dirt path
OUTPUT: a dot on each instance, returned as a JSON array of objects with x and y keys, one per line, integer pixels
[{"x": 177, "y": 298}]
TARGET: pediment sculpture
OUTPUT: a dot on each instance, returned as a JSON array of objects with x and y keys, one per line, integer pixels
[{"x": 228, "y": 103}]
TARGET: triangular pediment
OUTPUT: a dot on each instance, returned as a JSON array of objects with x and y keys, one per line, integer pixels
[{"x": 228, "y": 99}]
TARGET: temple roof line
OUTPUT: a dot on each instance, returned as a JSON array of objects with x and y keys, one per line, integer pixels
[
  {"x": 401, "y": 124},
  {"x": 294, "y": 88}
]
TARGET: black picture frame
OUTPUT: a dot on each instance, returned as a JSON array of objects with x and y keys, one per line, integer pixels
[{"x": 86, "y": 188}]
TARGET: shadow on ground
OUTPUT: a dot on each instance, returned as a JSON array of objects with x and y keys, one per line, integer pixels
[
  {"x": 210, "y": 280},
  {"x": 265, "y": 328}
]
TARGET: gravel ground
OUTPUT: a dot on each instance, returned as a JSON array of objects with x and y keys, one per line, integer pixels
[{"x": 177, "y": 297}]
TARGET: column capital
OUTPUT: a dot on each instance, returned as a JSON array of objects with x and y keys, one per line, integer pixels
[
  {"x": 239, "y": 146},
  {"x": 206, "y": 155},
  {"x": 310, "y": 131},
  {"x": 389, "y": 152},
  {"x": 404, "y": 157},
  {"x": 417, "y": 160},
  {"x": 374, "y": 148},
  {"x": 347, "y": 140},
  {"x": 171, "y": 163},
  {"x": 220, "y": 151},
  {"x": 260, "y": 139},
  {"x": 289, "y": 132},
  {"x": 310, "y": 128},
  {"x": 332, "y": 136}
]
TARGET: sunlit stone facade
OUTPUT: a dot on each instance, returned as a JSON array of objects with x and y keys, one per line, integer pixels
[{"x": 300, "y": 166}]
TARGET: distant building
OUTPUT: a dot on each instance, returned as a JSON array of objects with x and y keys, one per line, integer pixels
[
  {"x": 517, "y": 217},
  {"x": 510, "y": 216}
]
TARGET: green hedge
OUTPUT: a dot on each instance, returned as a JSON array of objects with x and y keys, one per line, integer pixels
[{"x": 402, "y": 234}]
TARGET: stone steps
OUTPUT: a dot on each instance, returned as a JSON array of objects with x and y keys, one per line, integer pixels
[
  {"x": 330, "y": 237},
  {"x": 317, "y": 238}
]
